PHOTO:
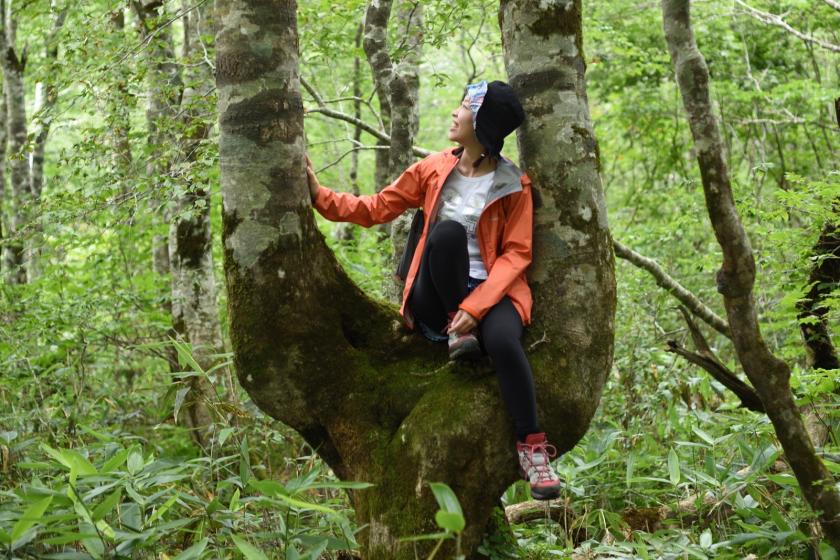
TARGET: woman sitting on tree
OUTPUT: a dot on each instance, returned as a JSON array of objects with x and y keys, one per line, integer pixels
[{"x": 466, "y": 284}]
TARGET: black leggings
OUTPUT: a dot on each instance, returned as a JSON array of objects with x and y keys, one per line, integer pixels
[{"x": 441, "y": 285}]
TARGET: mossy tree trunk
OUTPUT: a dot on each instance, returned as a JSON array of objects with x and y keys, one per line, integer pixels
[{"x": 313, "y": 351}]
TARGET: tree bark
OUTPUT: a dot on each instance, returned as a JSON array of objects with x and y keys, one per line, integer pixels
[
  {"x": 404, "y": 93},
  {"x": 14, "y": 64},
  {"x": 376, "y": 48},
  {"x": 164, "y": 89},
  {"x": 195, "y": 315},
  {"x": 5, "y": 216},
  {"x": 118, "y": 111},
  {"x": 314, "y": 352},
  {"x": 769, "y": 375},
  {"x": 46, "y": 96},
  {"x": 823, "y": 279}
]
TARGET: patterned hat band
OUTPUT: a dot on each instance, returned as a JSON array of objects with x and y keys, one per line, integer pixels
[{"x": 475, "y": 97}]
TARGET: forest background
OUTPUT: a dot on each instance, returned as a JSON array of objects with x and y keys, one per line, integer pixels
[{"x": 97, "y": 420}]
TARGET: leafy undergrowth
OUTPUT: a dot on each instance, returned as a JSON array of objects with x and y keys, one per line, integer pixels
[{"x": 107, "y": 474}]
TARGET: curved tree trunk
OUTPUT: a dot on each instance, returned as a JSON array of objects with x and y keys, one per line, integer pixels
[
  {"x": 314, "y": 352},
  {"x": 573, "y": 274},
  {"x": 768, "y": 374}
]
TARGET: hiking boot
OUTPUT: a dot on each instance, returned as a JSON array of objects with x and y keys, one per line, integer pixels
[
  {"x": 535, "y": 467},
  {"x": 462, "y": 345}
]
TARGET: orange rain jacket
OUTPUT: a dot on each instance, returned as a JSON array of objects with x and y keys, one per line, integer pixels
[{"x": 504, "y": 230}]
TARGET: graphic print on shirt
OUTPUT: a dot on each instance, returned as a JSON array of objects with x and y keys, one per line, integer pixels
[
  {"x": 464, "y": 211},
  {"x": 463, "y": 200}
]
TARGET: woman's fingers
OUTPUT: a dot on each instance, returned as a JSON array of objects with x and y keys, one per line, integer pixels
[{"x": 462, "y": 322}]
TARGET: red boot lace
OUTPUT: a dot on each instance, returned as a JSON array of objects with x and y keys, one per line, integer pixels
[{"x": 548, "y": 451}]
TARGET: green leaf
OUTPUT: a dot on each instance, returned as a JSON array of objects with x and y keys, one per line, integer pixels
[
  {"x": 674, "y": 466},
  {"x": 135, "y": 461},
  {"x": 703, "y": 435},
  {"x": 224, "y": 434},
  {"x": 116, "y": 461},
  {"x": 30, "y": 517},
  {"x": 71, "y": 460},
  {"x": 706, "y": 539},
  {"x": 179, "y": 400},
  {"x": 194, "y": 551},
  {"x": 450, "y": 521},
  {"x": 827, "y": 552},
  {"x": 306, "y": 506},
  {"x": 446, "y": 498},
  {"x": 270, "y": 488},
  {"x": 248, "y": 550},
  {"x": 628, "y": 473},
  {"x": 105, "y": 507},
  {"x": 234, "y": 501},
  {"x": 161, "y": 510}
]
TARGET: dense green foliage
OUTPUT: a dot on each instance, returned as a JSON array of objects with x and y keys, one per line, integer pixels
[{"x": 92, "y": 463}]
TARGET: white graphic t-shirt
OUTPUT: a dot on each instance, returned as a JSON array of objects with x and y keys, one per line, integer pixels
[{"x": 462, "y": 200}]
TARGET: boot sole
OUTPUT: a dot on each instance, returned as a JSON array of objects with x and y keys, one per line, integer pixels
[{"x": 540, "y": 494}]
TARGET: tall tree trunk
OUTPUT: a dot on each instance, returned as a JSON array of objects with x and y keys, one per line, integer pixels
[
  {"x": 314, "y": 352},
  {"x": 194, "y": 313},
  {"x": 397, "y": 86},
  {"x": 118, "y": 111},
  {"x": 376, "y": 48},
  {"x": 13, "y": 67},
  {"x": 5, "y": 215},
  {"x": 164, "y": 89},
  {"x": 344, "y": 230},
  {"x": 404, "y": 91},
  {"x": 769, "y": 375},
  {"x": 46, "y": 96}
]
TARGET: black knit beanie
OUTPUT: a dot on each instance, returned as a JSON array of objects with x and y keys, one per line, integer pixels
[{"x": 500, "y": 114}]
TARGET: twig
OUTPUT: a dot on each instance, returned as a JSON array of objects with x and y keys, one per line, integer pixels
[
  {"x": 417, "y": 151},
  {"x": 664, "y": 280},
  {"x": 773, "y": 19}
]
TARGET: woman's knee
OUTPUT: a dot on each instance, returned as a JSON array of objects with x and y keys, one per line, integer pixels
[{"x": 448, "y": 231}]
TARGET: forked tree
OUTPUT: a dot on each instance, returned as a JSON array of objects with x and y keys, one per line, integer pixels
[{"x": 378, "y": 403}]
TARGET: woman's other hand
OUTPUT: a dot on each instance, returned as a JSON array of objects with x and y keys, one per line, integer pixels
[
  {"x": 462, "y": 323},
  {"x": 314, "y": 185}
]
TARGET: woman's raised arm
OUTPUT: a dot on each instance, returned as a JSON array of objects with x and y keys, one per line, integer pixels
[{"x": 407, "y": 191}]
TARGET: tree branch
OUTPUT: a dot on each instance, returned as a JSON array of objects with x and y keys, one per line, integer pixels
[
  {"x": 417, "y": 151},
  {"x": 673, "y": 287},
  {"x": 833, "y": 3},
  {"x": 706, "y": 359},
  {"x": 773, "y": 19}
]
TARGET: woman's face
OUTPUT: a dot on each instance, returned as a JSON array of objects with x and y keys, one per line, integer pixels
[{"x": 462, "y": 130}]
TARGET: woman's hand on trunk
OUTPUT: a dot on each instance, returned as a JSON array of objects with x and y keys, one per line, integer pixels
[{"x": 314, "y": 185}]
